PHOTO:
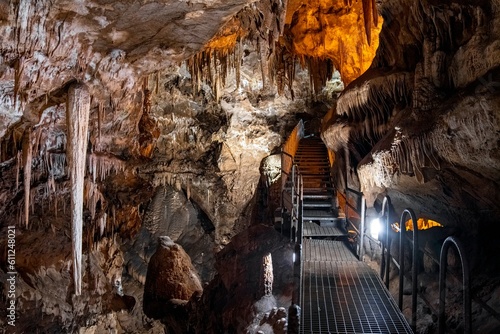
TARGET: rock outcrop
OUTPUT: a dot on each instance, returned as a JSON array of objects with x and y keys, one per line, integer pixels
[{"x": 170, "y": 277}]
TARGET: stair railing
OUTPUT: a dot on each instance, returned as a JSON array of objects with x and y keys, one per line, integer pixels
[
  {"x": 402, "y": 242},
  {"x": 385, "y": 260},
  {"x": 288, "y": 151},
  {"x": 292, "y": 195},
  {"x": 360, "y": 209},
  {"x": 450, "y": 241},
  {"x": 442, "y": 284},
  {"x": 297, "y": 211},
  {"x": 298, "y": 226}
]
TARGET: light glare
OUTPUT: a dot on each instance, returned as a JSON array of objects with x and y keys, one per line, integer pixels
[{"x": 375, "y": 228}]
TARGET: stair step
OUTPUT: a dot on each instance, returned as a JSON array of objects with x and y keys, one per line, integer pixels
[
  {"x": 311, "y": 149},
  {"x": 312, "y": 164},
  {"x": 315, "y": 178},
  {"x": 317, "y": 204},
  {"x": 317, "y": 196},
  {"x": 315, "y": 170},
  {"x": 317, "y": 190},
  {"x": 318, "y": 185},
  {"x": 336, "y": 222},
  {"x": 310, "y": 154},
  {"x": 312, "y": 157}
]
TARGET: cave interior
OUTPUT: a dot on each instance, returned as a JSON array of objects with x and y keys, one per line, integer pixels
[{"x": 141, "y": 155}]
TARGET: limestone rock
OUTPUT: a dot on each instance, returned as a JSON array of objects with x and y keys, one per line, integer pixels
[{"x": 170, "y": 276}]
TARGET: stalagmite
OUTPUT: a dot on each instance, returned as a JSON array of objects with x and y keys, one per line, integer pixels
[
  {"x": 27, "y": 157},
  {"x": 77, "y": 118},
  {"x": 266, "y": 276}
]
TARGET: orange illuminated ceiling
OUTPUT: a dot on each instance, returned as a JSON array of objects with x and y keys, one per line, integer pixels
[
  {"x": 336, "y": 30},
  {"x": 317, "y": 31},
  {"x": 227, "y": 37}
]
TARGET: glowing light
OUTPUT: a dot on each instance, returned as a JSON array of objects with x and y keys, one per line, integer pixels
[
  {"x": 375, "y": 228},
  {"x": 422, "y": 223},
  {"x": 293, "y": 257}
]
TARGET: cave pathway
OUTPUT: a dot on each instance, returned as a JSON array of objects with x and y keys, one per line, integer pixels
[{"x": 339, "y": 293}]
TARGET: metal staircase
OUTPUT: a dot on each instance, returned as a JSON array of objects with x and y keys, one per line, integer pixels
[
  {"x": 320, "y": 212},
  {"x": 337, "y": 292},
  {"x": 334, "y": 290}
]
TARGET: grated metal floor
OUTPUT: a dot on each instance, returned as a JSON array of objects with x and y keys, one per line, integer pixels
[
  {"x": 314, "y": 230},
  {"x": 344, "y": 295}
]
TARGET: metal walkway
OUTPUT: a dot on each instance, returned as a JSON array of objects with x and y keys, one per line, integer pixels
[
  {"x": 341, "y": 294},
  {"x": 338, "y": 293}
]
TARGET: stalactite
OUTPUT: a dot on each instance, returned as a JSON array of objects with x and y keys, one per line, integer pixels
[
  {"x": 157, "y": 83},
  {"x": 92, "y": 197},
  {"x": 101, "y": 166},
  {"x": 262, "y": 22},
  {"x": 102, "y": 223},
  {"x": 55, "y": 206},
  {"x": 237, "y": 61},
  {"x": 99, "y": 121},
  {"x": 375, "y": 13},
  {"x": 263, "y": 61},
  {"x": 27, "y": 161},
  {"x": 367, "y": 16},
  {"x": 18, "y": 167},
  {"x": 77, "y": 117}
]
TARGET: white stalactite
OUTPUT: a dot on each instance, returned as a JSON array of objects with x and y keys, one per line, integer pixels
[
  {"x": 77, "y": 118},
  {"x": 27, "y": 158}
]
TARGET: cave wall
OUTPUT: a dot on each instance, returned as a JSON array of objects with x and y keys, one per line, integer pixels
[{"x": 427, "y": 111}]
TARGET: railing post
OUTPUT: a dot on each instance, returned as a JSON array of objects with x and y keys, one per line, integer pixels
[
  {"x": 362, "y": 228},
  {"x": 385, "y": 261},
  {"x": 282, "y": 211},
  {"x": 443, "y": 264},
  {"x": 346, "y": 210},
  {"x": 301, "y": 209},
  {"x": 402, "y": 236},
  {"x": 297, "y": 271}
]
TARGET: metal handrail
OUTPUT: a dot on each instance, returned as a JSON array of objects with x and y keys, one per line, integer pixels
[
  {"x": 402, "y": 239},
  {"x": 297, "y": 266},
  {"x": 362, "y": 228},
  {"x": 290, "y": 147},
  {"x": 466, "y": 284},
  {"x": 385, "y": 260},
  {"x": 361, "y": 212}
]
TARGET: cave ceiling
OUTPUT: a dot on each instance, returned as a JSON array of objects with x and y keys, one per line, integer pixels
[{"x": 130, "y": 56}]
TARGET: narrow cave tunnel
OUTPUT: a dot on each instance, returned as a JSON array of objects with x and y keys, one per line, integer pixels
[{"x": 222, "y": 166}]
